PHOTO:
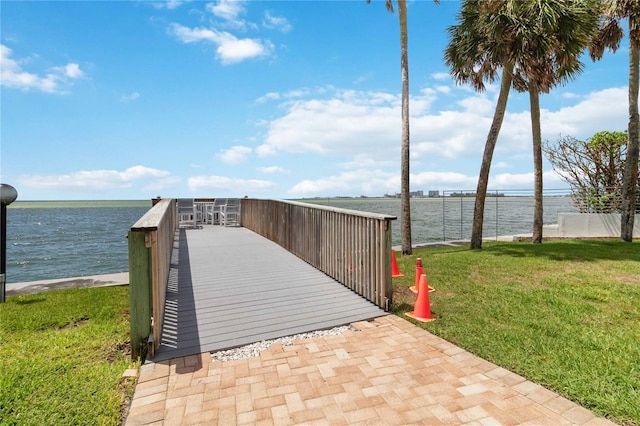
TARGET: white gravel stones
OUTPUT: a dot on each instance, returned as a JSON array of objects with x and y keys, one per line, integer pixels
[{"x": 254, "y": 349}]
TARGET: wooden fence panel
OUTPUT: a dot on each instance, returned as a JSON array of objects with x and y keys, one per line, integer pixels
[{"x": 350, "y": 246}]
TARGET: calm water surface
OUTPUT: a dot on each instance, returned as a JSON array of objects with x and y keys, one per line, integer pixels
[{"x": 47, "y": 240}]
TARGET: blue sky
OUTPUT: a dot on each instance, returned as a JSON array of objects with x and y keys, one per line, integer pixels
[{"x": 269, "y": 99}]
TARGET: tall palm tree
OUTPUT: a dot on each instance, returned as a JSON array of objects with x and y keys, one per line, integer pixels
[
  {"x": 405, "y": 203},
  {"x": 609, "y": 37},
  {"x": 479, "y": 46},
  {"x": 536, "y": 44},
  {"x": 561, "y": 33}
]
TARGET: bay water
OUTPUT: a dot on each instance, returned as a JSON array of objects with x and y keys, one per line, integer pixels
[{"x": 61, "y": 239}]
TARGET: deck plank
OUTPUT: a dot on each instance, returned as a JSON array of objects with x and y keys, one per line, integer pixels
[{"x": 232, "y": 287}]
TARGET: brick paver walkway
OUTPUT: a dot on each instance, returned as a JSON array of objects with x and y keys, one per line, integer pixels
[{"x": 387, "y": 372}]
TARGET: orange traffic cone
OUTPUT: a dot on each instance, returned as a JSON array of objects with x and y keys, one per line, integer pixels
[
  {"x": 422, "y": 309},
  {"x": 419, "y": 271},
  {"x": 395, "y": 272}
]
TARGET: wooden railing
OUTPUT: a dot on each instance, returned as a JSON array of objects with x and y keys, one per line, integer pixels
[
  {"x": 350, "y": 246},
  {"x": 151, "y": 241}
]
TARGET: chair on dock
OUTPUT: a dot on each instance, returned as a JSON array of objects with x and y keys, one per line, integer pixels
[
  {"x": 216, "y": 211},
  {"x": 187, "y": 214},
  {"x": 231, "y": 213}
]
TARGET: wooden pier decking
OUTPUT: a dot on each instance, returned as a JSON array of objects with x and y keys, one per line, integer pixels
[{"x": 229, "y": 286}]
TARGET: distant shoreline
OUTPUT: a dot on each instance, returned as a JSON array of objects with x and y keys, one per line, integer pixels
[{"x": 78, "y": 204}]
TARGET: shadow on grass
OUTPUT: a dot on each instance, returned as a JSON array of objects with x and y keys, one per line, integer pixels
[
  {"x": 401, "y": 308},
  {"x": 29, "y": 301},
  {"x": 569, "y": 250}
]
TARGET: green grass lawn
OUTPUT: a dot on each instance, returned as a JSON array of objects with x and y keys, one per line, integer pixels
[
  {"x": 62, "y": 355},
  {"x": 564, "y": 314}
]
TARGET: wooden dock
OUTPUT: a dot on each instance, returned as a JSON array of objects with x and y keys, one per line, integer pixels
[{"x": 228, "y": 287}]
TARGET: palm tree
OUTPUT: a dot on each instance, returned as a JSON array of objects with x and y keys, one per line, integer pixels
[
  {"x": 562, "y": 31},
  {"x": 405, "y": 203},
  {"x": 609, "y": 37},
  {"x": 476, "y": 52},
  {"x": 536, "y": 44}
]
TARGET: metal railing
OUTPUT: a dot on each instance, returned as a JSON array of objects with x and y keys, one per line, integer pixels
[
  {"x": 448, "y": 215},
  {"x": 506, "y": 212},
  {"x": 151, "y": 241},
  {"x": 601, "y": 200},
  {"x": 353, "y": 247},
  {"x": 510, "y": 212}
]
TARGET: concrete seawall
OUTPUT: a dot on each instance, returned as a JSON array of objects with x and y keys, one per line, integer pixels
[
  {"x": 65, "y": 283},
  {"x": 596, "y": 225}
]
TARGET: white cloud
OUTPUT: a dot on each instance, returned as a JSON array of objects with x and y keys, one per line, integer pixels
[
  {"x": 130, "y": 97},
  {"x": 523, "y": 180},
  {"x": 442, "y": 180},
  {"x": 268, "y": 97},
  {"x": 377, "y": 182},
  {"x": 228, "y": 185},
  {"x": 12, "y": 75},
  {"x": 169, "y": 4},
  {"x": 570, "y": 95},
  {"x": 161, "y": 184},
  {"x": 441, "y": 76},
  {"x": 276, "y": 22},
  {"x": 230, "y": 49},
  {"x": 272, "y": 170},
  {"x": 351, "y": 123},
  {"x": 228, "y": 10},
  {"x": 94, "y": 180},
  {"x": 142, "y": 172},
  {"x": 603, "y": 110},
  {"x": 265, "y": 150},
  {"x": 361, "y": 131},
  {"x": 71, "y": 71},
  {"x": 361, "y": 181},
  {"x": 193, "y": 35},
  {"x": 235, "y": 155},
  {"x": 365, "y": 160},
  {"x": 291, "y": 94}
]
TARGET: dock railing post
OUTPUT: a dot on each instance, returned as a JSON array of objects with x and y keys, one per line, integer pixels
[
  {"x": 140, "y": 295},
  {"x": 151, "y": 241},
  {"x": 387, "y": 281}
]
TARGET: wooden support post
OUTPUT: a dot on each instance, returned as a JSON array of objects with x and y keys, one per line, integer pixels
[
  {"x": 140, "y": 296},
  {"x": 387, "y": 282}
]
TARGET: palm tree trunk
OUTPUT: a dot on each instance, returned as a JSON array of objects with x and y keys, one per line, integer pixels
[
  {"x": 485, "y": 167},
  {"x": 534, "y": 102},
  {"x": 630, "y": 179},
  {"x": 405, "y": 209}
]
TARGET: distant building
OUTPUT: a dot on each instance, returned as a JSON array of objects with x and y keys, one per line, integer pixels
[
  {"x": 434, "y": 194},
  {"x": 413, "y": 194}
]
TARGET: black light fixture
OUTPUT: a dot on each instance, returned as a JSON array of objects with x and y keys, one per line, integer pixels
[{"x": 8, "y": 195}]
